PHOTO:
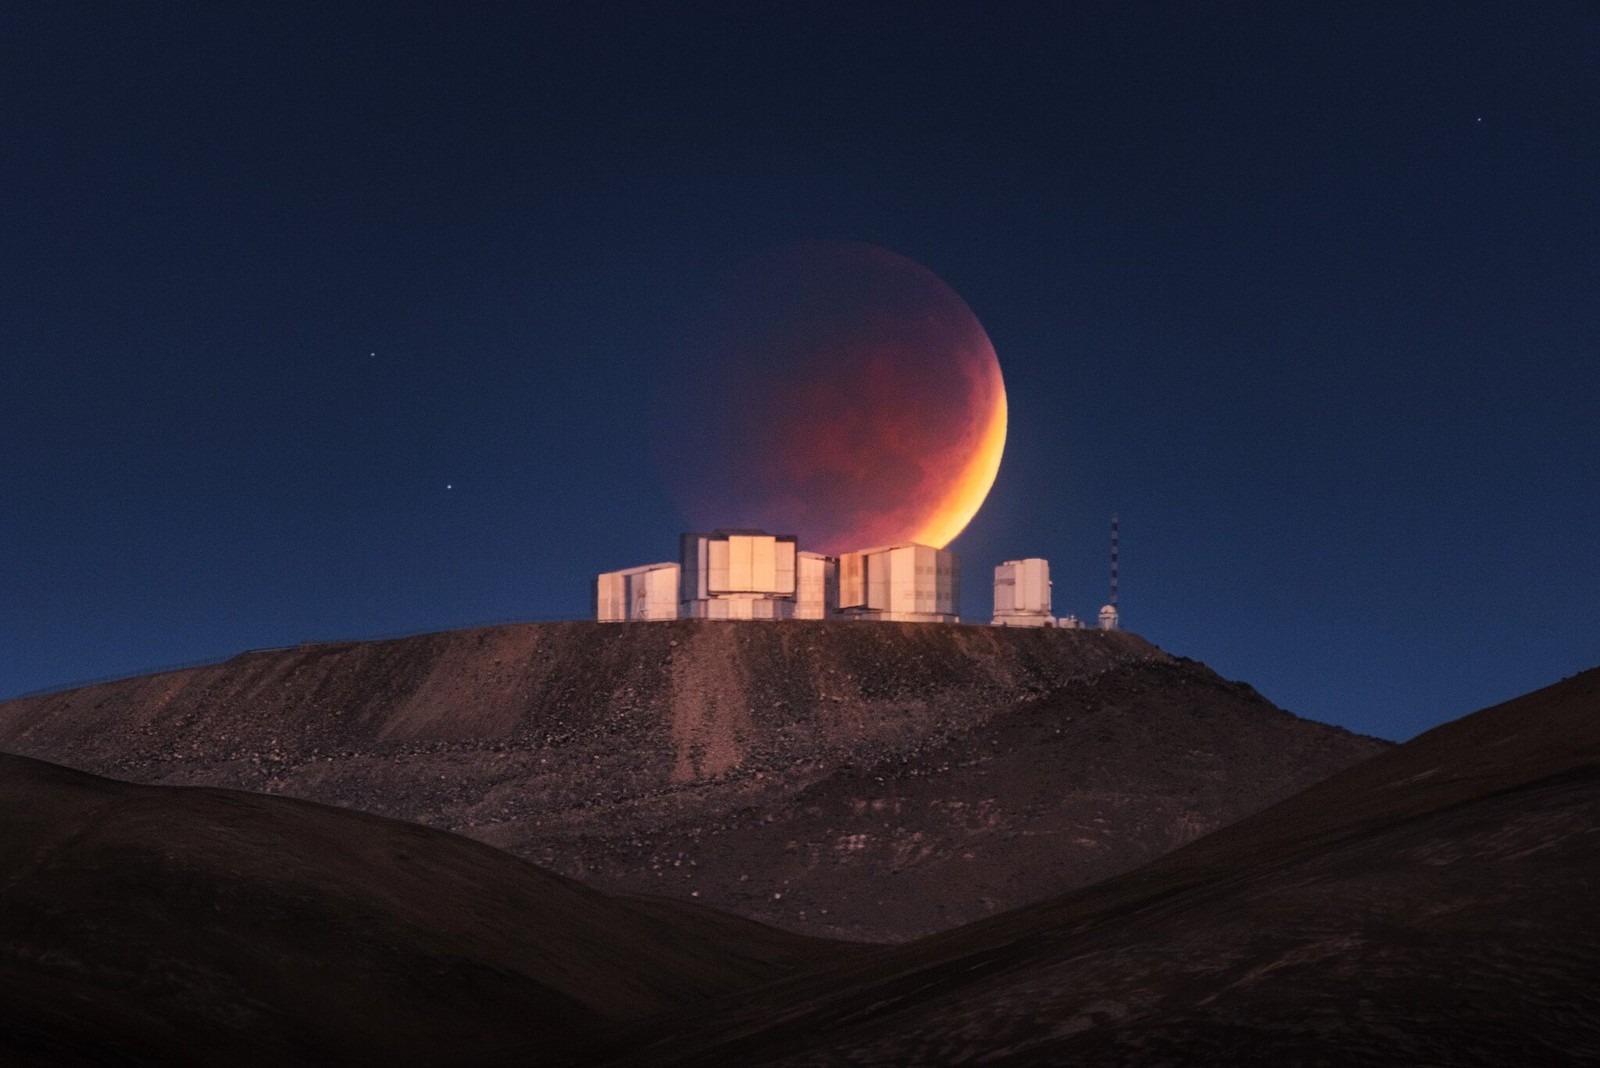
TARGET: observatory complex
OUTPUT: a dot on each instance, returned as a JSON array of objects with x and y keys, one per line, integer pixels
[{"x": 751, "y": 574}]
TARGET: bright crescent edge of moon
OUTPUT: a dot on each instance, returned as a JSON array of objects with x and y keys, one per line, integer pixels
[{"x": 971, "y": 488}]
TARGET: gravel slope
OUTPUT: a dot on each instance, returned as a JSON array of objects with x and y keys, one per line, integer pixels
[{"x": 859, "y": 780}]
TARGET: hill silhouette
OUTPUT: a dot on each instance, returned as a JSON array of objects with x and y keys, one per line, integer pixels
[
  {"x": 1432, "y": 905},
  {"x": 867, "y": 781},
  {"x": 163, "y": 925}
]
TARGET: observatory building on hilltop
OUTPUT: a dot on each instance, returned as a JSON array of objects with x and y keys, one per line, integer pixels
[
  {"x": 1022, "y": 594},
  {"x": 728, "y": 574},
  {"x": 648, "y": 592},
  {"x": 906, "y": 583},
  {"x": 751, "y": 574}
]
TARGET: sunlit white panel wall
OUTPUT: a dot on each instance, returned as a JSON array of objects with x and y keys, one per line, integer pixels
[{"x": 816, "y": 587}]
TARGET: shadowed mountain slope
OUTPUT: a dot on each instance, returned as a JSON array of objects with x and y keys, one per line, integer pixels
[
  {"x": 1432, "y": 905},
  {"x": 161, "y": 925},
  {"x": 861, "y": 780}
]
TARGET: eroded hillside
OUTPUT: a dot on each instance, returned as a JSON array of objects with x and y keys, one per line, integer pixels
[
  {"x": 1432, "y": 905},
  {"x": 157, "y": 925},
  {"x": 864, "y": 780}
]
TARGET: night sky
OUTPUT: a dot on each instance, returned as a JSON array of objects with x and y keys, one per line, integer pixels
[{"x": 335, "y": 321}]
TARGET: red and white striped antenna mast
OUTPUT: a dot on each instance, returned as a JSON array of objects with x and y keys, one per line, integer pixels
[{"x": 1113, "y": 559}]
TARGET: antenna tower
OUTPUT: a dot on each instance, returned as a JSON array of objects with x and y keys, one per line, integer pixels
[{"x": 1113, "y": 559}]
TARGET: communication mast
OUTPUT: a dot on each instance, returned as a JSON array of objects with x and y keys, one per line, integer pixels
[
  {"x": 1109, "y": 618},
  {"x": 1113, "y": 559}
]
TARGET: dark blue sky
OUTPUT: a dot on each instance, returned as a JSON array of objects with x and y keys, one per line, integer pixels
[{"x": 1309, "y": 293}]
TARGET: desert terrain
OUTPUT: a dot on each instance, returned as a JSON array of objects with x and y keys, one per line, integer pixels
[{"x": 874, "y": 782}]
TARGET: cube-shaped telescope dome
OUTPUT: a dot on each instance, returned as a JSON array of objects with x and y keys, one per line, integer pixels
[{"x": 1022, "y": 593}]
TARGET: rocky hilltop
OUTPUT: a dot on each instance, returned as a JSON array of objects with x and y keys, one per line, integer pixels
[
  {"x": 1433, "y": 905},
  {"x": 875, "y": 781}
]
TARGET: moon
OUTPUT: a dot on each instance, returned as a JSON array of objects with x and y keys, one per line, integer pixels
[{"x": 836, "y": 391}]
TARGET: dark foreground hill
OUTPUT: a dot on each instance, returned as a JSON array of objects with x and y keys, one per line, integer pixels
[
  {"x": 863, "y": 780},
  {"x": 158, "y": 925},
  {"x": 1433, "y": 905}
]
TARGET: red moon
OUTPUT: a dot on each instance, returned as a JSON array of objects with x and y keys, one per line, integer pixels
[{"x": 837, "y": 391}]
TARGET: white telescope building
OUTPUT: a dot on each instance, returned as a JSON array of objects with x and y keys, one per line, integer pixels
[
  {"x": 728, "y": 574},
  {"x": 905, "y": 583},
  {"x": 739, "y": 574},
  {"x": 817, "y": 586},
  {"x": 1022, "y": 594},
  {"x": 649, "y": 592},
  {"x": 750, "y": 574}
]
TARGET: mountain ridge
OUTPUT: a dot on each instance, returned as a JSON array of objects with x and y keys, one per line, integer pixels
[
  {"x": 196, "y": 925},
  {"x": 773, "y": 769},
  {"x": 1432, "y": 904}
]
